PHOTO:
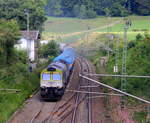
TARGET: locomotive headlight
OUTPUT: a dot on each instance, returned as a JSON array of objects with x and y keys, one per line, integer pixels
[{"x": 58, "y": 84}]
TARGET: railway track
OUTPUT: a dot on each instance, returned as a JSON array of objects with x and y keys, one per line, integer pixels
[
  {"x": 60, "y": 111},
  {"x": 84, "y": 67},
  {"x": 74, "y": 107},
  {"x": 89, "y": 101},
  {"x": 68, "y": 110},
  {"x": 37, "y": 114}
]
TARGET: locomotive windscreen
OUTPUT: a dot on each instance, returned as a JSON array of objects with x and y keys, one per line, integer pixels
[
  {"x": 45, "y": 76},
  {"x": 56, "y": 76}
]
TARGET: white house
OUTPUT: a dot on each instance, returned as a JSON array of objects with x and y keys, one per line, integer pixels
[{"x": 28, "y": 41}]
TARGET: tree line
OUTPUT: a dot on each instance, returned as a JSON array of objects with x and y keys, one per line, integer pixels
[
  {"x": 17, "y": 10},
  {"x": 13, "y": 18},
  {"x": 92, "y": 8},
  {"x": 137, "y": 64}
]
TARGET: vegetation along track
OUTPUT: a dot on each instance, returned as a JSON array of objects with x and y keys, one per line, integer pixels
[
  {"x": 37, "y": 110},
  {"x": 76, "y": 105}
]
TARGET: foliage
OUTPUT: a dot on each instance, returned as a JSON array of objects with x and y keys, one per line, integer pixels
[
  {"x": 137, "y": 64},
  {"x": 9, "y": 34},
  {"x": 16, "y": 76},
  {"x": 49, "y": 50},
  {"x": 54, "y": 8},
  {"x": 15, "y": 9},
  {"x": 141, "y": 7},
  {"x": 92, "y": 8},
  {"x": 118, "y": 10},
  {"x": 140, "y": 117}
]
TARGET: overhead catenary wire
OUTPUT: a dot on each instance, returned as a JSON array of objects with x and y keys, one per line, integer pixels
[
  {"x": 117, "y": 90},
  {"x": 111, "y": 75},
  {"x": 109, "y": 94}
]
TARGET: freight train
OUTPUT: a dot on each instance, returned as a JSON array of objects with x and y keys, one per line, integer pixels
[{"x": 55, "y": 77}]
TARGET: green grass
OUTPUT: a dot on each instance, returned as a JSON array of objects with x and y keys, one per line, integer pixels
[
  {"x": 130, "y": 34},
  {"x": 140, "y": 117},
  {"x": 15, "y": 76},
  {"x": 70, "y": 25},
  {"x": 139, "y": 25},
  {"x": 60, "y": 26},
  {"x": 138, "y": 22}
]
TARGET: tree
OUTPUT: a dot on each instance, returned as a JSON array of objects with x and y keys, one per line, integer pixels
[
  {"x": 91, "y": 8},
  {"x": 50, "y": 50},
  {"x": 118, "y": 10},
  {"x": 82, "y": 12},
  {"x": 54, "y": 8},
  {"x": 9, "y": 34},
  {"x": 141, "y": 7},
  {"x": 138, "y": 64},
  {"x": 15, "y": 9}
]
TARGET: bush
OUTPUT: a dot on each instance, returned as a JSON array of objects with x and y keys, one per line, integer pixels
[
  {"x": 49, "y": 50},
  {"x": 144, "y": 30},
  {"x": 135, "y": 30},
  {"x": 16, "y": 76},
  {"x": 140, "y": 117}
]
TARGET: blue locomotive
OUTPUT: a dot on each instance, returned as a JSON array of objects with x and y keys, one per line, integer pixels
[{"x": 55, "y": 77}]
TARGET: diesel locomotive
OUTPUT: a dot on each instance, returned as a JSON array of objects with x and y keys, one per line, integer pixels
[{"x": 55, "y": 77}]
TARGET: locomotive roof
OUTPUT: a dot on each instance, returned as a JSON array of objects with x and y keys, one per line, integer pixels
[{"x": 57, "y": 65}]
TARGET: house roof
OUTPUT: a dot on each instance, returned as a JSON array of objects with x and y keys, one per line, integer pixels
[{"x": 33, "y": 34}]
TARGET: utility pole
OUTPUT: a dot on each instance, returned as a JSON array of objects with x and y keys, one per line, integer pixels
[
  {"x": 124, "y": 57},
  {"x": 116, "y": 56},
  {"x": 28, "y": 35},
  {"x": 108, "y": 35}
]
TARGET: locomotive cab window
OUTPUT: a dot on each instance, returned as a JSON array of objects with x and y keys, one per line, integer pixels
[
  {"x": 45, "y": 76},
  {"x": 56, "y": 76}
]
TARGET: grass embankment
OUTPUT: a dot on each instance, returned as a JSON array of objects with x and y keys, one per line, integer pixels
[{"x": 16, "y": 76}]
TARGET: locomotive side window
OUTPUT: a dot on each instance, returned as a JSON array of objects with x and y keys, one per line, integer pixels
[
  {"x": 45, "y": 76},
  {"x": 56, "y": 76}
]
